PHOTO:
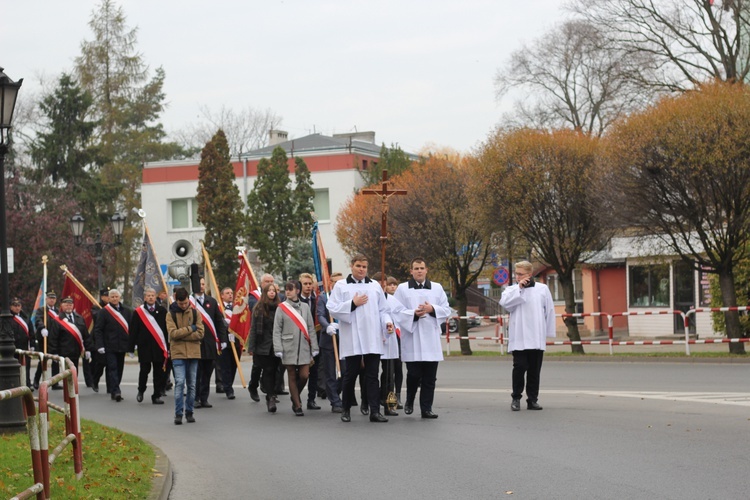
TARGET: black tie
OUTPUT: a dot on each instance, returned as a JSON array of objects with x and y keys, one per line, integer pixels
[
  {"x": 70, "y": 317},
  {"x": 151, "y": 308},
  {"x": 420, "y": 285}
]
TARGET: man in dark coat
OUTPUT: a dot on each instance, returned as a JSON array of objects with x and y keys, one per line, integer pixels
[
  {"x": 23, "y": 333},
  {"x": 327, "y": 367},
  {"x": 111, "y": 333},
  {"x": 42, "y": 331},
  {"x": 68, "y": 335},
  {"x": 214, "y": 340},
  {"x": 228, "y": 363},
  {"x": 99, "y": 361},
  {"x": 148, "y": 331}
]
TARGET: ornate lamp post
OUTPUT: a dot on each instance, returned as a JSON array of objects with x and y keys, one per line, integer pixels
[
  {"x": 77, "y": 223},
  {"x": 11, "y": 411}
]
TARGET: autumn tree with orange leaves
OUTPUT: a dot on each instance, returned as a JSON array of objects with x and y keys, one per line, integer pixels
[
  {"x": 435, "y": 220},
  {"x": 539, "y": 184},
  {"x": 683, "y": 171}
]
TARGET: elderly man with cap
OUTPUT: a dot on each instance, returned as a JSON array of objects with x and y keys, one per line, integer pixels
[
  {"x": 41, "y": 325},
  {"x": 23, "y": 333},
  {"x": 111, "y": 334},
  {"x": 99, "y": 361},
  {"x": 68, "y": 335}
]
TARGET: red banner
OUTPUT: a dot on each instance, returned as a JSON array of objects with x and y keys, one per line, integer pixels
[
  {"x": 241, "y": 313},
  {"x": 81, "y": 303}
]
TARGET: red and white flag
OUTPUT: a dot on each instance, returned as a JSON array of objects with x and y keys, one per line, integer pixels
[{"x": 241, "y": 314}]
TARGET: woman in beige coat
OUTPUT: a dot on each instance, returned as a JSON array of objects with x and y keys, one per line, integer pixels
[{"x": 294, "y": 341}]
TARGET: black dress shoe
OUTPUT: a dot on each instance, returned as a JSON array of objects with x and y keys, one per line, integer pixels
[
  {"x": 298, "y": 411},
  {"x": 409, "y": 408},
  {"x": 157, "y": 401},
  {"x": 283, "y": 393},
  {"x": 219, "y": 389},
  {"x": 533, "y": 405},
  {"x": 169, "y": 386},
  {"x": 230, "y": 395},
  {"x": 377, "y": 417},
  {"x": 198, "y": 404},
  {"x": 364, "y": 408},
  {"x": 399, "y": 405},
  {"x": 312, "y": 406},
  {"x": 206, "y": 404},
  {"x": 429, "y": 414},
  {"x": 345, "y": 416},
  {"x": 118, "y": 397},
  {"x": 95, "y": 387},
  {"x": 390, "y": 413},
  {"x": 139, "y": 397},
  {"x": 178, "y": 420},
  {"x": 336, "y": 409},
  {"x": 36, "y": 386},
  {"x": 189, "y": 417},
  {"x": 271, "y": 405},
  {"x": 254, "y": 394},
  {"x": 322, "y": 394},
  {"x": 515, "y": 405}
]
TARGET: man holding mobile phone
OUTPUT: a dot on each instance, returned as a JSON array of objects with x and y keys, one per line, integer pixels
[{"x": 532, "y": 319}]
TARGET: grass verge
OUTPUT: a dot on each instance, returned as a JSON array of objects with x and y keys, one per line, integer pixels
[{"x": 115, "y": 464}]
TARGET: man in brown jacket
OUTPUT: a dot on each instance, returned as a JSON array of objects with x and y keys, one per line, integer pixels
[{"x": 185, "y": 329}]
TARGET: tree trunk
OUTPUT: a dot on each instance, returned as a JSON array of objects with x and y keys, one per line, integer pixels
[
  {"x": 731, "y": 318},
  {"x": 570, "y": 308},
  {"x": 462, "y": 330}
]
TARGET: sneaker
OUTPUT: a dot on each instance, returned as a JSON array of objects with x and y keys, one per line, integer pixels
[
  {"x": 189, "y": 417},
  {"x": 178, "y": 420},
  {"x": 515, "y": 405}
]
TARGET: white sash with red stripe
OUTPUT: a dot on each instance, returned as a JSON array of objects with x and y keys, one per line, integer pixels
[
  {"x": 118, "y": 317},
  {"x": 206, "y": 320},
  {"x": 228, "y": 314},
  {"x": 256, "y": 294},
  {"x": 72, "y": 329},
  {"x": 154, "y": 329},
  {"x": 296, "y": 317},
  {"x": 23, "y": 324},
  {"x": 52, "y": 313}
]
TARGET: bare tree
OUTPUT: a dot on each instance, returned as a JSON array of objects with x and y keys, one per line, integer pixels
[
  {"x": 246, "y": 129},
  {"x": 687, "y": 41},
  {"x": 577, "y": 78}
]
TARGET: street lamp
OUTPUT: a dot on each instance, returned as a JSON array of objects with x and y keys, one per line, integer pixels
[
  {"x": 11, "y": 411},
  {"x": 78, "y": 222}
]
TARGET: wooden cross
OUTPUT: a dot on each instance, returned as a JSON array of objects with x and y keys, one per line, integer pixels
[{"x": 384, "y": 192}]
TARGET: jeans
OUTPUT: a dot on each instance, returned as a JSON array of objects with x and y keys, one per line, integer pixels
[{"x": 184, "y": 368}]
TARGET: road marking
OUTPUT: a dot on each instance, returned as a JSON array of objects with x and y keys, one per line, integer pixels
[{"x": 722, "y": 398}]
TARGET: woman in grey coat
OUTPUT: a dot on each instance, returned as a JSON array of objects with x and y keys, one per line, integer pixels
[{"x": 295, "y": 342}]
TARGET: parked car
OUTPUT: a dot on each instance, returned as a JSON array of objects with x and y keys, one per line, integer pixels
[{"x": 472, "y": 321}]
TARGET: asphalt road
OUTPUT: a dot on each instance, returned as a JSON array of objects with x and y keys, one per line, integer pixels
[{"x": 608, "y": 430}]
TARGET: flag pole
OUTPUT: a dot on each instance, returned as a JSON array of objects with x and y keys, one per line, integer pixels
[
  {"x": 44, "y": 298},
  {"x": 153, "y": 250},
  {"x": 326, "y": 279},
  {"x": 67, "y": 272},
  {"x": 210, "y": 271}
]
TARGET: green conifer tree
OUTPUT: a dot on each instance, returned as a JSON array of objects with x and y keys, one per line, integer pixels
[{"x": 220, "y": 209}]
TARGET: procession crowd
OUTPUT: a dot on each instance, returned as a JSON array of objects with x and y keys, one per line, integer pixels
[{"x": 363, "y": 331}]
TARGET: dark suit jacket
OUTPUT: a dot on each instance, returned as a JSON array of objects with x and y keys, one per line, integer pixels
[
  {"x": 109, "y": 333},
  {"x": 149, "y": 350},
  {"x": 63, "y": 343},
  {"x": 216, "y": 313}
]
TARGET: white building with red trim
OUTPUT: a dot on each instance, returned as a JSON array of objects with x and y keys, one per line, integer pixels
[{"x": 169, "y": 189}]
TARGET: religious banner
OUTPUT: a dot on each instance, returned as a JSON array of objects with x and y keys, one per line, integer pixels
[
  {"x": 82, "y": 299},
  {"x": 320, "y": 262},
  {"x": 241, "y": 313},
  {"x": 148, "y": 273}
]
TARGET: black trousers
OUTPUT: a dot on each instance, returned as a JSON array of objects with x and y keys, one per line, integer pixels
[
  {"x": 86, "y": 368},
  {"x": 228, "y": 367},
  {"x": 160, "y": 377},
  {"x": 99, "y": 368},
  {"x": 256, "y": 372},
  {"x": 352, "y": 370},
  {"x": 205, "y": 370},
  {"x": 312, "y": 381},
  {"x": 268, "y": 364},
  {"x": 39, "y": 370},
  {"x": 327, "y": 372},
  {"x": 421, "y": 375},
  {"x": 115, "y": 368},
  {"x": 529, "y": 363},
  {"x": 395, "y": 382}
]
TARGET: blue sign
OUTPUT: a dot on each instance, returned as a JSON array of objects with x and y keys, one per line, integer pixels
[{"x": 501, "y": 276}]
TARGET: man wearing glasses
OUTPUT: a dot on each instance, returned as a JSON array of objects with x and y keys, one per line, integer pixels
[{"x": 532, "y": 319}]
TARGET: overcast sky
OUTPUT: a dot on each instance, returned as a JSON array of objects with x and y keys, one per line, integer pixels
[{"x": 414, "y": 71}]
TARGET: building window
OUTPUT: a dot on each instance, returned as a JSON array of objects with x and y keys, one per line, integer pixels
[
  {"x": 321, "y": 205},
  {"x": 649, "y": 286},
  {"x": 184, "y": 213},
  {"x": 364, "y": 164},
  {"x": 555, "y": 288}
]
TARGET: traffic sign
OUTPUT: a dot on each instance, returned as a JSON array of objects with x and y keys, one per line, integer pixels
[{"x": 500, "y": 277}]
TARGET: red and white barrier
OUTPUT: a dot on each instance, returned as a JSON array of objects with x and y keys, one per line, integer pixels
[{"x": 501, "y": 339}]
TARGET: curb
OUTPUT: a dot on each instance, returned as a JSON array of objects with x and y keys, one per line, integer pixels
[
  {"x": 608, "y": 359},
  {"x": 161, "y": 486}
]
